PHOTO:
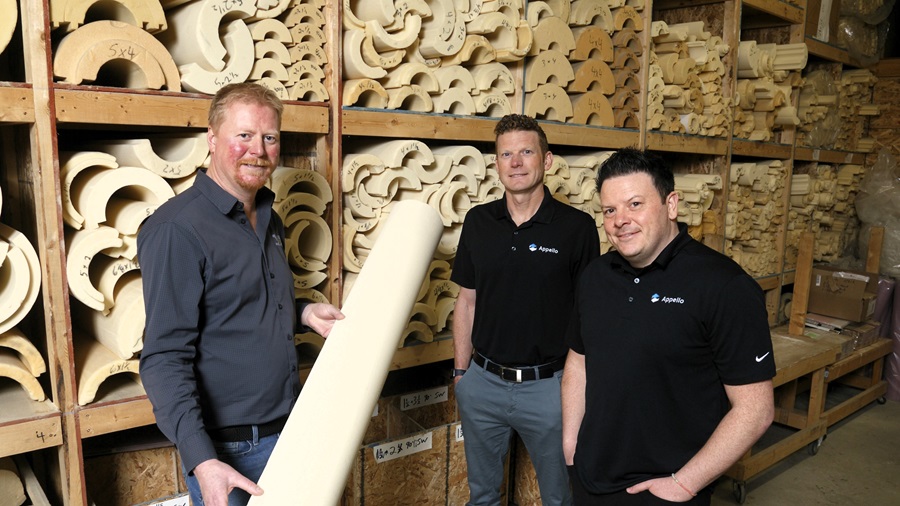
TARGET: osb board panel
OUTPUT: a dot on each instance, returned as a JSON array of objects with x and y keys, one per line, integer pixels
[
  {"x": 527, "y": 492},
  {"x": 417, "y": 479},
  {"x": 457, "y": 477},
  {"x": 127, "y": 478},
  {"x": 434, "y": 415},
  {"x": 712, "y": 15}
]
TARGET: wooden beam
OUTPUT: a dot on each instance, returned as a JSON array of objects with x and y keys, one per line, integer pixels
[{"x": 801, "y": 283}]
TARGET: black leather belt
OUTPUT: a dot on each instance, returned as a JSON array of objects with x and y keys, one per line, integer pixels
[
  {"x": 519, "y": 374},
  {"x": 245, "y": 432}
]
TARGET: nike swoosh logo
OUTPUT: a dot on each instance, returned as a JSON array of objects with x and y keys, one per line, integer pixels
[{"x": 760, "y": 359}]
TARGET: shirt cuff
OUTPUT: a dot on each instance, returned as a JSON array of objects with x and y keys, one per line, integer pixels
[
  {"x": 196, "y": 450},
  {"x": 299, "y": 327}
]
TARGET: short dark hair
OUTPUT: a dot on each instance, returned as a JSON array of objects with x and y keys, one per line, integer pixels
[
  {"x": 250, "y": 93},
  {"x": 521, "y": 123},
  {"x": 632, "y": 161}
]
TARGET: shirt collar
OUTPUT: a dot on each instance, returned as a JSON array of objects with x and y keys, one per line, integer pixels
[
  {"x": 665, "y": 256},
  {"x": 224, "y": 201},
  {"x": 544, "y": 213}
]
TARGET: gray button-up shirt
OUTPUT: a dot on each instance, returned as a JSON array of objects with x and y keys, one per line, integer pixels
[{"x": 221, "y": 315}]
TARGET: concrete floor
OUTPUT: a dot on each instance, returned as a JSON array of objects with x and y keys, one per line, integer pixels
[{"x": 857, "y": 464}]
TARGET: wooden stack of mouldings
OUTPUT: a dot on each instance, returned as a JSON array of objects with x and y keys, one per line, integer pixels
[
  {"x": 767, "y": 74},
  {"x": 856, "y": 107},
  {"x": 685, "y": 87},
  {"x": 820, "y": 120},
  {"x": 754, "y": 215},
  {"x": 196, "y": 45}
]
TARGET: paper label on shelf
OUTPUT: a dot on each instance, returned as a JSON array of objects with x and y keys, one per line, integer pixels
[
  {"x": 402, "y": 447},
  {"x": 181, "y": 500},
  {"x": 423, "y": 398},
  {"x": 459, "y": 433}
]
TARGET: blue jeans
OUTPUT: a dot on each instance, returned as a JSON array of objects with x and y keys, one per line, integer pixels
[
  {"x": 490, "y": 409},
  {"x": 246, "y": 457}
]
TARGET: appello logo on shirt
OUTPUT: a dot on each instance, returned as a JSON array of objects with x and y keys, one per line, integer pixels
[
  {"x": 667, "y": 300},
  {"x": 542, "y": 249}
]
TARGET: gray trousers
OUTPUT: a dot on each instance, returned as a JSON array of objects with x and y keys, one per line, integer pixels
[{"x": 490, "y": 409}]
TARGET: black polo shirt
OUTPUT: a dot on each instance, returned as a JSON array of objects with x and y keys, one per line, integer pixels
[
  {"x": 524, "y": 277},
  {"x": 659, "y": 344}
]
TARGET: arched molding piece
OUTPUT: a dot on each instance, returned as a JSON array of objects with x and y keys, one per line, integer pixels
[
  {"x": 94, "y": 364},
  {"x": 552, "y": 33},
  {"x": 418, "y": 74},
  {"x": 476, "y": 50},
  {"x": 239, "y": 47},
  {"x": 386, "y": 41},
  {"x": 287, "y": 180},
  {"x": 394, "y": 153},
  {"x": 628, "y": 81},
  {"x": 299, "y": 201},
  {"x": 107, "y": 271},
  {"x": 309, "y": 51},
  {"x": 309, "y": 242},
  {"x": 496, "y": 27},
  {"x": 626, "y": 60},
  {"x": 121, "y": 330},
  {"x": 123, "y": 47},
  {"x": 464, "y": 173},
  {"x": 12, "y": 367},
  {"x": 389, "y": 182},
  {"x": 82, "y": 246},
  {"x": 420, "y": 331},
  {"x": 308, "y": 90},
  {"x": 590, "y": 75},
  {"x": 536, "y": 11},
  {"x": 410, "y": 98},
  {"x": 30, "y": 357},
  {"x": 422, "y": 312},
  {"x": 549, "y": 101},
  {"x": 548, "y": 66},
  {"x": 454, "y": 101},
  {"x": 355, "y": 65},
  {"x": 492, "y": 103},
  {"x": 91, "y": 195},
  {"x": 21, "y": 272},
  {"x": 593, "y": 108},
  {"x": 8, "y": 22},
  {"x": 194, "y": 37},
  {"x": 560, "y": 8},
  {"x": 361, "y": 225},
  {"x": 524, "y": 40},
  {"x": 628, "y": 39},
  {"x": 443, "y": 308},
  {"x": 559, "y": 167},
  {"x": 466, "y": 155},
  {"x": 72, "y": 163},
  {"x": 591, "y": 42},
  {"x": 381, "y": 11},
  {"x": 493, "y": 75},
  {"x": 386, "y": 60},
  {"x": 591, "y": 12},
  {"x": 438, "y": 269},
  {"x": 627, "y": 17},
  {"x": 357, "y": 166},
  {"x": 272, "y": 9},
  {"x": 306, "y": 32},
  {"x": 351, "y": 262},
  {"x": 305, "y": 69},
  {"x": 443, "y": 33},
  {"x": 432, "y": 173},
  {"x": 270, "y": 29},
  {"x": 70, "y": 14},
  {"x": 557, "y": 186},
  {"x": 306, "y": 13},
  {"x": 453, "y": 202},
  {"x": 170, "y": 156},
  {"x": 659, "y": 30}
]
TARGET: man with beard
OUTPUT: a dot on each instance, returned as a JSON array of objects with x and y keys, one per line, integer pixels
[{"x": 219, "y": 363}]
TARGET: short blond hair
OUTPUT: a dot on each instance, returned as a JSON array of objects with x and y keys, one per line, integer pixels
[{"x": 251, "y": 93}]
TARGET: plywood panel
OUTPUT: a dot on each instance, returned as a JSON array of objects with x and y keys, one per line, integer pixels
[{"x": 127, "y": 478}]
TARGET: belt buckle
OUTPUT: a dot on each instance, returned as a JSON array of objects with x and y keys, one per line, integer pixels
[{"x": 518, "y": 375}]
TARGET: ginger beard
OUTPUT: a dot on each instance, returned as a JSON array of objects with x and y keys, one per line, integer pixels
[{"x": 253, "y": 173}]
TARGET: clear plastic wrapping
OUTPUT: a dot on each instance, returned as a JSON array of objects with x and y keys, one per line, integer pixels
[
  {"x": 878, "y": 204},
  {"x": 863, "y": 27}
]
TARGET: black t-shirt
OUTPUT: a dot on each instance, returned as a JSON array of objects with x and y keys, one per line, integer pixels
[
  {"x": 659, "y": 345},
  {"x": 524, "y": 277}
]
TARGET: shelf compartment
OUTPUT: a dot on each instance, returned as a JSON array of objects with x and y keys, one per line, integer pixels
[
  {"x": 400, "y": 124},
  {"x": 98, "y": 419},
  {"x": 761, "y": 149},
  {"x": 680, "y": 143},
  {"x": 103, "y": 106},
  {"x": 27, "y": 425},
  {"x": 16, "y": 104},
  {"x": 827, "y": 51},
  {"x": 767, "y": 13}
]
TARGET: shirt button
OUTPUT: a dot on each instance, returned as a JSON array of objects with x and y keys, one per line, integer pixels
[
  {"x": 290, "y": 337},
  {"x": 630, "y": 299},
  {"x": 272, "y": 275},
  {"x": 243, "y": 221},
  {"x": 637, "y": 280},
  {"x": 280, "y": 306},
  {"x": 513, "y": 248}
]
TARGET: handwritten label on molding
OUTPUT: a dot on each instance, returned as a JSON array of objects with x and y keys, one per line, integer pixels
[
  {"x": 402, "y": 447},
  {"x": 459, "y": 433},
  {"x": 181, "y": 500},
  {"x": 423, "y": 398}
]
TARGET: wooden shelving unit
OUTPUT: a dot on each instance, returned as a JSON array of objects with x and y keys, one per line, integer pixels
[{"x": 33, "y": 112}]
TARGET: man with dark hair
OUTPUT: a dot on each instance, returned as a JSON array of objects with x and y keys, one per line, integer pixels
[
  {"x": 517, "y": 262},
  {"x": 219, "y": 363},
  {"x": 668, "y": 379}
]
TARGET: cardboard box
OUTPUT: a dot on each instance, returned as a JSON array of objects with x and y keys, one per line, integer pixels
[
  {"x": 843, "y": 293},
  {"x": 863, "y": 334}
]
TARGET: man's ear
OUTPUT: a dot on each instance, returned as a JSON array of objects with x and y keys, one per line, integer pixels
[{"x": 672, "y": 205}]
